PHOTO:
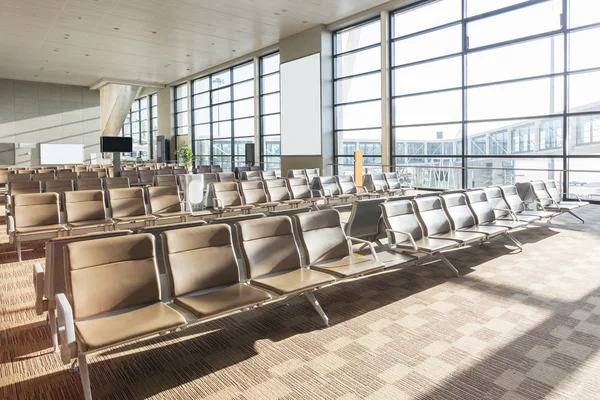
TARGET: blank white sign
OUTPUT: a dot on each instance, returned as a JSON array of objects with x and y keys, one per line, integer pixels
[
  {"x": 61, "y": 154},
  {"x": 301, "y": 107}
]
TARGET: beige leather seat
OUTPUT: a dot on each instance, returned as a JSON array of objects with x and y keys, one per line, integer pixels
[
  {"x": 327, "y": 249},
  {"x": 84, "y": 210},
  {"x": 4, "y": 176},
  {"x": 165, "y": 171},
  {"x": 89, "y": 184},
  {"x": 519, "y": 207},
  {"x": 116, "y": 183},
  {"x": 132, "y": 175},
  {"x": 81, "y": 168},
  {"x": 268, "y": 175},
  {"x": 146, "y": 176},
  {"x": 165, "y": 180},
  {"x": 43, "y": 176},
  {"x": 484, "y": 214},
  {"x": 66, "y": 175},
  {"x": 34, "y": 217},
  {"x": 19, "y": 176},
  {"x": 112, "y": 297},
  {"x": 502, "y": 209},
  {"x": 89, "y": 175},
  {"x": 278, "y": 191},
  {"x": 330, "y": 189},
  {"x": 347, "y": 186},
  {"x": 164, "y": 202},
  {"x": 102, "y": 172},
  {"x": 203, "y": 272},
  {"x": 24, "y": 187},
  {"x": 300, "y": 190},
  {"x": 128, "y": 207},
  {"x": 462, "y": 218},
  {"x": 25, "y": 171},
  {"x": 251, "y": 176},
  {"x": 253, "y": 192},
  {"x": 272, "y": 260},
  {"x": 227, "y": 197},
  {"x": 59, "y": 186},
  {"x": 226, "y": 177}
]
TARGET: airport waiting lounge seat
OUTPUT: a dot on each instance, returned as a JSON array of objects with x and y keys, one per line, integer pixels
[
  {"x": 66, "y": 175},
  {"x": 89, "y": 184},
  {"x": 128, "y": 207},
  {"x": 43, "y": 176},
  {"x": 165, "y": 180},
  {"x": 59, "y": 186},
  {"x": 554, "y": 192},
  {"x": 226, "y": 177},
  {"x": 165, "y": 203},
  {"x": 253, "y": 192},
  {"x": 278, "y": 191},
  {"x": 112, "y": 297},
  {"x": 226, "y": 197},
  {"x": 300, "y": 190},
  {"x": 331, "y": 190},
  {"x": 116, "y": 183},
  {"x": 394, "y": 183},
  {"x": 327, "y": 248},
  {"x": 89, "y": 175},
  {"x": 502, "y": 209},
  {"x": 347, "y": 186},
  {"x": 279, "y": 271},
  {"x": 145, "y": 176},
  {"x": 251, "y": 176},
  {"x": 365, "y": 220},
  {"x": 484, "y": 213},
  {"x": 268, "y": 175},
  {"x": 521, "y": 208},
  {"x": 85, "y": 211}
]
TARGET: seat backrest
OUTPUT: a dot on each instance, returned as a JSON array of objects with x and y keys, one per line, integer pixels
[
  {"x": 116, "y": 183},
  {"x": 311, "y": 173},
  {"x": 24, "y": 171},
  {"x": 400, "y": 216},
  {"x": 239, "y": 170},
  {"x": 89, "y": 175},
  {"x": 89, "y": 184},
  {"x": 132, "y": 174},
  {"x": 365, "y": 218},
  {"x": 392, "y": 180},
  {"x": 299, "y": 188},
  {"x": 328, "y": 185},
  {"x": 165, "y": 180},
  {"x": 19, "y": 177},
  {"x": 199, "y": 258},
  {"x": 81, "y": 168},
  {"x": 86, "y": 205},
  {"x": 58, "y": 186},
  {"x": 67, "y": 175},
  {"x": 494, "y": 196},
  {"x": 268, "y": 246},
  {"x": 209, "y": 178},
  {"x": 165, "y": 171},
  {"x": 277, "y": 190},
  {"x": 322, "y": 236},
  {"x": 228, "y": 193},
  {"x": 180, "y": 170},
  {"x": 45, "y": 171},
  {"x": 163, "y": 199},
  {"x": 458, "y": 210},
  {"x": 540, "y": 193},
  {"x": 146, "y": 176},
  {"x": 375, "y": 182},
  {"x": 226, "y": 177},
  {"x": 268, "y": 175},
  {"x": 480, "y": 206},
  {"x": 297, "y": 173},
  {"x": 43, "y": 177},
  {"x": 253, "y": 192},
  {"x": 144, "y": 168},
  {"x": 251, "y": 176},
  {"x": 346, "y": 184},
  {"x": 203, "y": 169},
  {"x": 431, "y": 215},
  {"x": 553, "y": 190},
  {"x": 216, "y": 169},
  {"x": 127, "y": 202},
  {"x": 112, "y": 274},
  {"x": 512, "y": 198},
  {"x": 35, "y": 209},
  {"x": 4, "y": 174},
  {"x": 102, "y": 172},
  {"x": 22, "y": 187}
]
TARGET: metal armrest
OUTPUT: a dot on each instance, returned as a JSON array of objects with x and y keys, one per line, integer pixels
[
  {"x": 10, "y": 224},
  {"x": 66, "y": 328},
  {"x": 410, "y": 237},
  {"x": 575, "y": 195},
  {"x": 371, "y": 247},
  {"x": 319, "y": 192},
  {"x": 38, "y": 284},
  {"x": 510, "y": 212},
  {"x": 324, "y": 192},
  {"x": 218, "y": 204}
]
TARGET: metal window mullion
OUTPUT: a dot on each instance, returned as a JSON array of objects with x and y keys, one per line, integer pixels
[
  {"x": 566, "y": 134},
  {"x": 232, "y": 155},
  {"x": 464, "y": 138}
]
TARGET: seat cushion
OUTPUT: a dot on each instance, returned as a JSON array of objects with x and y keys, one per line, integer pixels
[
  {"x": 231, "y": 298},
  {"x": 524, "y": 218},
  {"x": 487, "y": 229},
  {"x": 270, "y": 204},
  {"x": 460, "y": 236},
  {"x": 173, "y": 214},
  {"x": 540, "y": 214},
  {"x": 428, "y": 245},
  {"x": 297, "y": 280},
  {"x": 108, "y": 331},
  {"x": 97, "y": 222},
  {"x": 137, "y": 218},
  {"x": 562, "y": 207},
  {"x": 240, "y": 207},
  {"x": 343, "y": 196},
  {"x": 349, "y": 267},
  {"x": 508, "y": 224},
  {"x": 40, "y": 229}
]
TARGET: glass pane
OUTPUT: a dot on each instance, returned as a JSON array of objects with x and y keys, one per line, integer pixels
[
  {"x": 543, "y": 17},
  {"x": 240, "y": 149},
  {"x": 181, "y": 91},
  {"x": 243, "y": 108},
  {"x": 583, "y": 92},
  {"x": 221, "y": 129},
  {"x": 201, "y": 115},
  {"x": 520, "y": 99},
  {"x": 502, "y": 171},
  {"x": 270, "y": 103},
  {"x": 243, "y": 127},
  {"x": 243, "y": 72},
  {"x": 243, "y": 90},
  {"x": 358, "y": 37},
  {"x": 582, "y": 56},
  {"x": 584, "y": 184},
  {"x": 143, "y": 103},
  {"x": 181, "y": 119},
  {"x": 536, "y": 57},
  {"x": 202, "y": 131},
  {"x": 200, "y": 85},
  {"x": 476, "y": 7},
  {"x": 368, "y": 141},
  {"x": 202, "y": 147},
  {"x": 584, "y": 135},
  {"x": 201, "y": 100},
  {"x": 358, "y": 63},
  {"x": 153, "y": 100},
  {"x": 427, "y": 16},
  {"x": 270, "y": 84},
  {"x": 434, "y": 139},
  {"x": 270, "y": 64},
  {"x": 181, "y": 105},
  {"x": 221, "y": 95},
  {"x": 583, "y": 12},
  {"x": 430, "y": 172},
  {"x": 181, "y": 131},
  {"x": 221, "y": 112},
  {"x": 430, "y": 45},
  {"x": 428, "y": 108},
  {"x": 443, "y": 74},
  {"x": 366, "y": 87},
  {"x": 357, "y": 116},
  {"x": 221, "y": 79},
  {"x": 271, "y": 124},
  {"x": 272, "y": 145}
]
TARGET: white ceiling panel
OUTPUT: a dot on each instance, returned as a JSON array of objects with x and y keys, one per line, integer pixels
[{"x": 82, "y": 41}]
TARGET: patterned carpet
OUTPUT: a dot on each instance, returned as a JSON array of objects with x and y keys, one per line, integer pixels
[{"x": 514, "y": 326}]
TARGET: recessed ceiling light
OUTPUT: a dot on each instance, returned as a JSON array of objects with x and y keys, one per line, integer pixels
[
  {"x": 36, "y": 75},
  {"x": 41, "y": 68},
  {"x": 154, "y": 32},
  {"x": 67, "y": 35},
  {"x": 167, "y": 65},
  {"x": 233, "y": 51},
  {"x": 87, "y": 55},
  {"x": 187, "y": 69},
  {"x": 276, "y": 13},
  {"x": 284, "y": 10},
  {"x": 115, "y": 28},
  {"x": 56, "y": 49},
  {"x": 187, "y": 55},
  {"x": 66, "y": 72},
  {"x": 213, "y": 44},
  {"x": 79, "y": 17},
  {"x": 305, "y": 22}
]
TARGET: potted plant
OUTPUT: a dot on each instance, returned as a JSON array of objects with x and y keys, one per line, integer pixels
[{"x": 185, "y": 155}]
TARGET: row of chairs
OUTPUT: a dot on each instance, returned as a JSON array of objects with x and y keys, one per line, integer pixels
[
  {"x": 104, "y": 306},
  {"x": 390, "y": 183},
  {"x": 38, "y": 216}
]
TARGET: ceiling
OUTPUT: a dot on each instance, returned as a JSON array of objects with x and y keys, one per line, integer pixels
[{"x": 80, "y": 42}]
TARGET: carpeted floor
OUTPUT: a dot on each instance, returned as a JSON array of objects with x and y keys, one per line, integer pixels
[{"x": 513, "y": 326}]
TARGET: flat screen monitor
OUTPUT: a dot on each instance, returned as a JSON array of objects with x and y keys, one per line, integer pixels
[{"x": 116, "y": 144}]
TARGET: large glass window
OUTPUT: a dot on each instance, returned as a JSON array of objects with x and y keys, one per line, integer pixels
[
  {"x": 357, "y": 88},
  {"x": 153, "y": 124},
  {"x": 137, "y": 127},
  {"x": 223, "y": 116},
  {"x": 270, "y": 125},
  {"x": 180, "y": 114}
]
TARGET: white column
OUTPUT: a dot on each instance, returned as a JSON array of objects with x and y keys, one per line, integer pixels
[
  {"x": 257, "y": 142},
  {"x": 386, "y": 125}
]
